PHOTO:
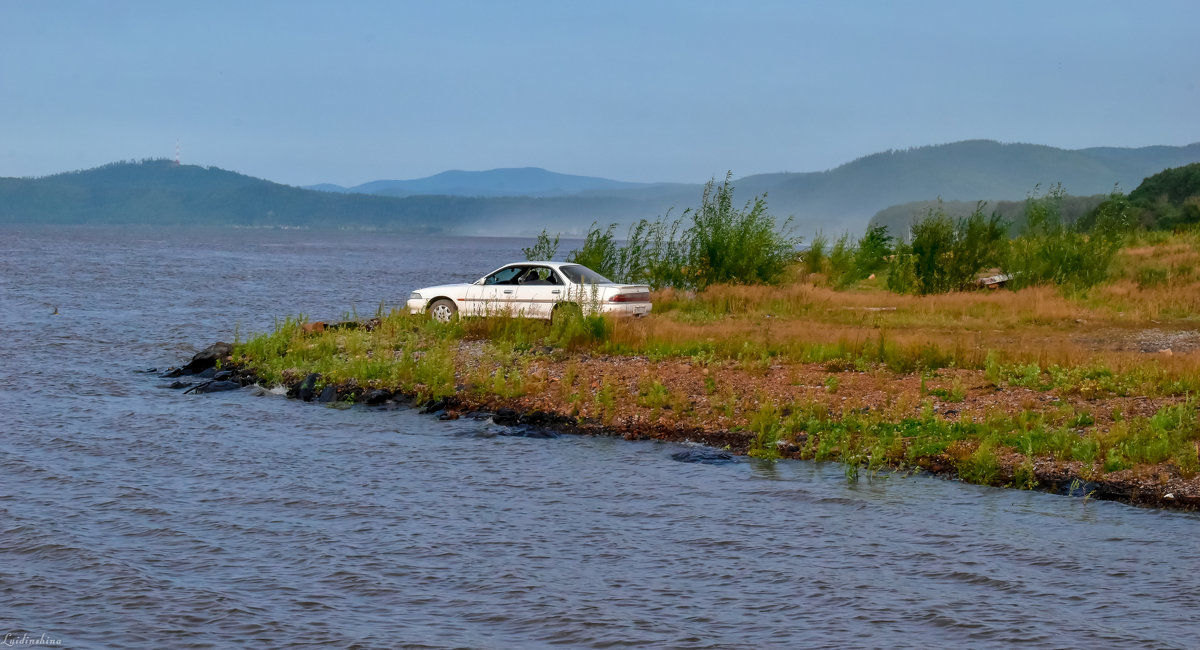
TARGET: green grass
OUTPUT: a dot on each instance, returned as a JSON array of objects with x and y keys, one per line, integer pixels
[{"x": 1169, "y": 436}]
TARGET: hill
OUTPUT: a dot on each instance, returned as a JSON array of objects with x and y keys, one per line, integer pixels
[
  {"x": 1166, "y": 200},
  {"x": 899, "y": 219},
  {"x": 962, "y": 171},
  {"x": 516, "y": 181},
  {"x": 1170, "y": 198},
  {"x": 844, "y": 198},
  {"x": 158, "y": 192}
]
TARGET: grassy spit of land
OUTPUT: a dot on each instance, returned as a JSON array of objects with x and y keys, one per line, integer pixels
[{"x": 1034, "y": 388}]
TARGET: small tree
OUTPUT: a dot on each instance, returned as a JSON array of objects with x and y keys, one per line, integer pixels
[
  {"x": 737, "y": 246},
  {"x": 932, "y": 247},
  {"x": 816, "y": 256},
  {"x": 599, "y": 252},
  {"x": 544, "y": 250},
  {"x": 873, "y": 251},
  {"x": 1051, "y": 252},
  {"x": 946, "y": 255}
]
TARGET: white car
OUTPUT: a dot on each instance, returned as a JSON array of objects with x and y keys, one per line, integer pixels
[{"x": 534, "y": 290}]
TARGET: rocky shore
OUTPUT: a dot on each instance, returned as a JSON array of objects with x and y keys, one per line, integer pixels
[{"x": 549, "y": 405}]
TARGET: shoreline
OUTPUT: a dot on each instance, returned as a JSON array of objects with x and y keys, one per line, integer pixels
[{"x": 664, "y": 400}]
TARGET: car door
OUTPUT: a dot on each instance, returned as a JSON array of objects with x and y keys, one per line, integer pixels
[
  {"x": 495, "y": 293},
  {"x": 538, "y": 289}
]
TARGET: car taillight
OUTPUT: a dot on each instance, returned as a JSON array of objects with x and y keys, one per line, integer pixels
[{"x": 643, "y": 296}]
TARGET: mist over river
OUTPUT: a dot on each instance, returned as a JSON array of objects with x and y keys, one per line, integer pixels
[{"x": 132, "y": 515}]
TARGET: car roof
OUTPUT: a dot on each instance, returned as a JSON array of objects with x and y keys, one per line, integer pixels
[{"x": 553, "y": 265}]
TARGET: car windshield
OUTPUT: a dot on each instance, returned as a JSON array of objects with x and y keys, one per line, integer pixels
[{"x": 583, "y": 275}]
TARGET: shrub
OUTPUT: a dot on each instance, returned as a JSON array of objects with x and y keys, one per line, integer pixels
[
  {"x": 946, "y": 255},
  {"x": 727, "y": 245},
  {"x": 841, "y": 262},
  {"x": 542, "y": 251},
  {"x": 1048, "y": 251},
  {"x": 722, "y": 244},
  {"x": 816, "y": 256},
  {"x": 599, "y": 253},
  {"x": 873, "y": 251}
]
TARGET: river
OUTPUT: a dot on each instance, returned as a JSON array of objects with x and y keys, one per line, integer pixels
[{"x": 136, "y": 516}]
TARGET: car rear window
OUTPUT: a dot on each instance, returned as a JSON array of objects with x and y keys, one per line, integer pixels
[{"x": 583, "y": 275}]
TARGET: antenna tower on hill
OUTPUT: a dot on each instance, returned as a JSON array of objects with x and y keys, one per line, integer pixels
[{"x": 176, "y": 152}]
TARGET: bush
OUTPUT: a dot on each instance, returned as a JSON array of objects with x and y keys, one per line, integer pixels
[
  {"x": 841, "y": 262},
  {"x": 816, "y": 256},
  {"x": 873, "y": 251},
  {"x": 945, "y": 255},
  {"x": 599, "y": 253},
  {"x": 1080, "y": 256},
  {"x": 542, "y": 251},
  {"x": 727, "y": 245},
  {"x": 721, "y": 245}
]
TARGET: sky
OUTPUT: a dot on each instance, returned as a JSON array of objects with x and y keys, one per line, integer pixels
[{"x": 348, "y": 92}]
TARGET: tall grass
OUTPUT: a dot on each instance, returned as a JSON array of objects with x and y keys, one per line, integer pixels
[
  {"x": 543, "y": 250},
  {"x": 720, "y": 244},
  {"x": 943, "y": 254},
  {"x": 1078, "y": 256}
]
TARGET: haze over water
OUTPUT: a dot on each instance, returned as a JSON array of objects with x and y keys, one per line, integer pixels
[{"x": 136, "y": 516}]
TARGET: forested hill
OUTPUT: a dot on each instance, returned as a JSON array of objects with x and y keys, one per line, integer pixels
[
  {"x": 844, "y": 198},
  {"x": 962, "y": 171},
  {"x": 158, "y": 192}
]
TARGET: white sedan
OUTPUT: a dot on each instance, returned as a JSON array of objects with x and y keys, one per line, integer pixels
[{"x": 532, "y": 289}]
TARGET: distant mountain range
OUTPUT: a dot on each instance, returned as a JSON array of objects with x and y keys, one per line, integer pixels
[
  {"x": 509, "y": 181},
  {"x": 525, "y": 200}
]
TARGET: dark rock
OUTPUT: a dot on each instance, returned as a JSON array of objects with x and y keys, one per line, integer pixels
[
  {"x": 328, "y": 394},
  {"x": 376, "y": 397},
  {"x": 177, "y": 384},
  {"x": 447, "y": 416},
  {"x": 207, "y": 373},
  {"x": 536, "y": 418},
  {"x": 147, "y": 370},
  {"x": 214, "y": 387},
  {"x": 543, "y": 419},
  {"x": 434, "y": 406},
  {"x": 308, "y": 387},
  {"x": 506, "y": 417},
  {"x": 224, "y": 375},
  {"x": 703, "y": 456},
  {"x": 172, "y": 373},
  {"x": 207, "y": 358}
]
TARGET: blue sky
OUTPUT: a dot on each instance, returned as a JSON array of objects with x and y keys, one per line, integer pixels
[{"x": 309, "y": 92}]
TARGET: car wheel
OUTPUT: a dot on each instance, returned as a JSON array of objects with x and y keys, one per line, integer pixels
[
  {"x": 443, "y": 310},
  {"x": 565, "y": 311}
]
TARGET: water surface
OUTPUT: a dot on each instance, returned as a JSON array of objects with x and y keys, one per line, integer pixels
[{"x": 136, "y": 516}]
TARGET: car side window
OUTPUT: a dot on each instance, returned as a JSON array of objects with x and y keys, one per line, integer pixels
[
  {"x": 506, "y": 275},
  {"x": 539, "y": 275}
]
